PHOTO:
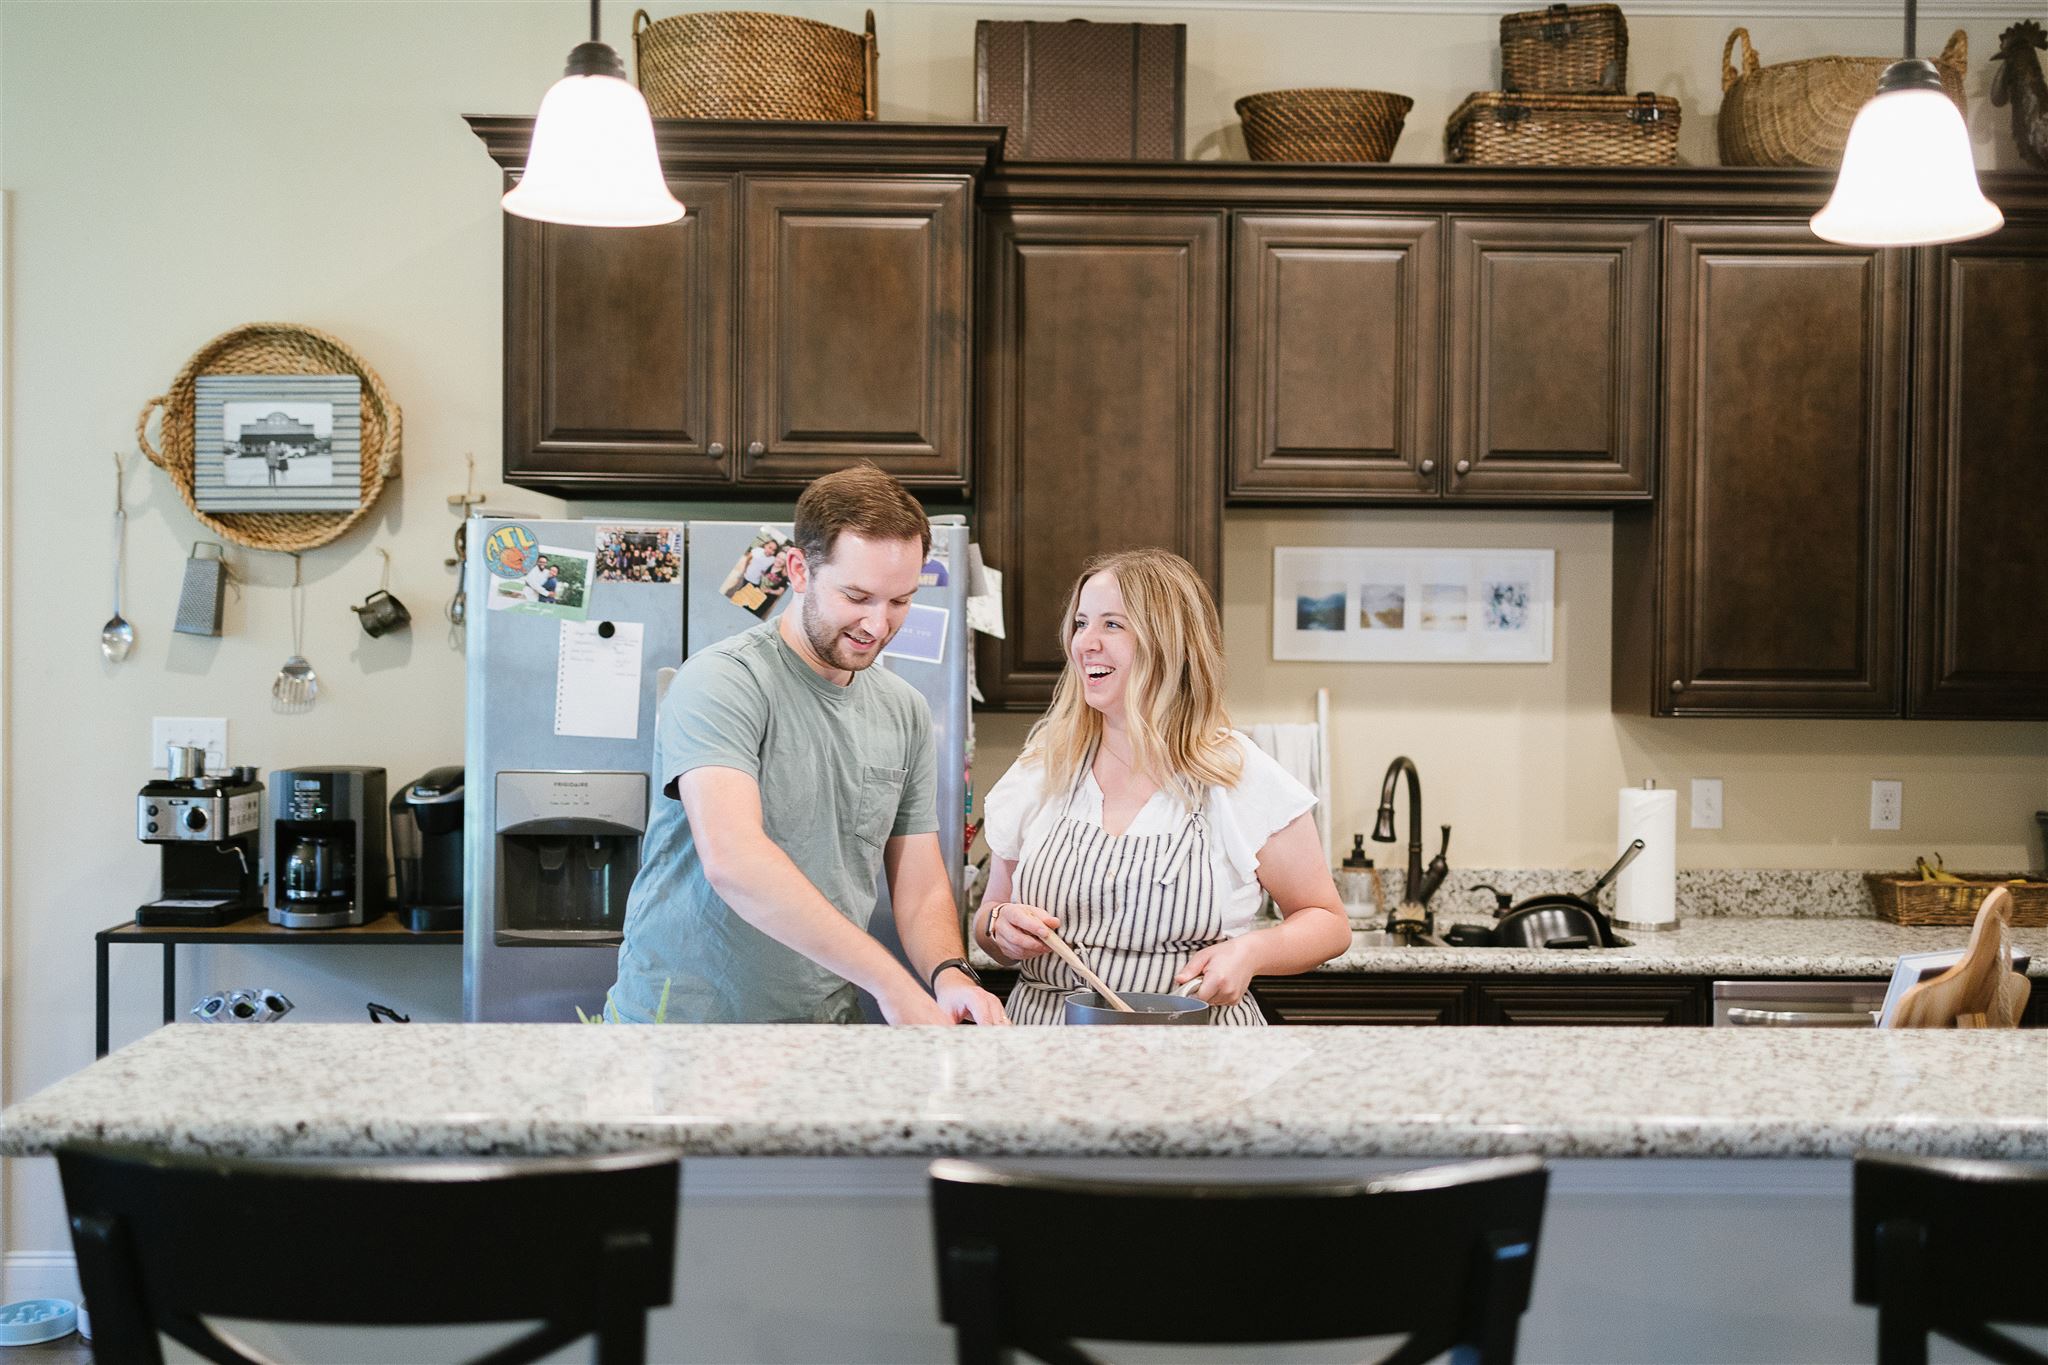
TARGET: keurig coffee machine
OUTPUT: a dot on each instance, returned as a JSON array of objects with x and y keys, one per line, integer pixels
[
  {"x": 210, "y": 832},
  {"x": 426, "y": 846},
  {"x": 326, "y": 834}
]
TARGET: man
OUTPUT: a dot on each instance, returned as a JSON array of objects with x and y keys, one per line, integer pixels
[
  {"x": 791, "y": 774},
  {"x": 537, "y": 579}
]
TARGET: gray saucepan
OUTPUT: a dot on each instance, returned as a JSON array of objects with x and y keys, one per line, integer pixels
[
  {"x": 1562, "y": 920},
  {"x": 1086, "y": 1007}
]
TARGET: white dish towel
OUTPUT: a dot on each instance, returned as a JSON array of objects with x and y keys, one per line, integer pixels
[{"x": 1299, "y": 749}]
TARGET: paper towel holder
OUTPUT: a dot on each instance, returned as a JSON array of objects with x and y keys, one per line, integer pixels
[{"x": 1668, "y": 836}]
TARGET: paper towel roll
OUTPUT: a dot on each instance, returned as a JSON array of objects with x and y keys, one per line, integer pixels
[{"x": 1646, "y": 892}]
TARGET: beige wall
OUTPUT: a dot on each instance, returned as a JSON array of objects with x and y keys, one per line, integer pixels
[{"x": 134, "y": 136}]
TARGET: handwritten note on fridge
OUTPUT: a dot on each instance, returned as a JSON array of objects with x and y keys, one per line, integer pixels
[{"x": 597, "y": 680}]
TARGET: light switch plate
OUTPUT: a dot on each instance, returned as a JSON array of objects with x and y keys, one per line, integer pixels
[
  {"x": 1887, "y": 802},
  {"x": 1706, "y": 803},
  {"x": 207, "y": 732}
]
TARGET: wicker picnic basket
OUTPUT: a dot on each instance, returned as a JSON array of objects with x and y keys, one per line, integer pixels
[
  {"x": 1565, "y": 49},
  {"x": 1498, "y": 128},
  {"x": 1323, "y": 124},
  {"x": 1903, "y": 898},
  {"x": 1798, "y": 113},
  {"x": 274, "y": 348},
  {"x": 738, "y": 64}
]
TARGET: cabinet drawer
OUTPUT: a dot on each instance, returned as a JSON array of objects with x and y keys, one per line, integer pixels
[
  {"x": 1361, "y": 1000},
  {"x": 1590, "y": 1002}
]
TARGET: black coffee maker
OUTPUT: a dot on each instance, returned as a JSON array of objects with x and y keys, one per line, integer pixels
[
  {"x": 426, "y": 843},
  {"x": 326, "y": 836}
]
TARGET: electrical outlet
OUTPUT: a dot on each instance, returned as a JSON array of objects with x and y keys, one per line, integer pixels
[
  {"x": 206, "y": 732},
  {"x": 1706, "y": 803},
  {"x": 1887, "y": 803}
]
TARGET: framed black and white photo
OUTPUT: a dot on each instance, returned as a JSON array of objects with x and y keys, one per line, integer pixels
[
  {"x": 277, "y": 442},
  {"x": 1342, "y": 603}
]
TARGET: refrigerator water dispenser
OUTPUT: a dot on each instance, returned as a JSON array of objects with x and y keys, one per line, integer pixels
[{"x": 568, "y": 849}]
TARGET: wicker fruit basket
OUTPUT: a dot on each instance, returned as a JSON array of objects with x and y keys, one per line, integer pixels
[
  {"x": 274, "y": 348},
  {"x": 1565, "y": 50},
  {"x": 1496, "y": 128},
  {"x": 1798, "y": 113},
  {"x": 737, "y": 64},
  {"x": 1323, "y": 124},
  {"x": 1903, "y": 898}
]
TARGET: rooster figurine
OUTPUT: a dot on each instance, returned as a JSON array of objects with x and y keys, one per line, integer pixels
[{"x": 2020, "y": 81}]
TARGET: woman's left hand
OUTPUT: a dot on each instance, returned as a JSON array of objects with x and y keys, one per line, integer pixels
[{"x": 1226, "y": 970}]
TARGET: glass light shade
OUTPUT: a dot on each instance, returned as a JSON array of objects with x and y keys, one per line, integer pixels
[
  {"x": 1907, "y": 175},
  {"x": 593, "y": 162}
]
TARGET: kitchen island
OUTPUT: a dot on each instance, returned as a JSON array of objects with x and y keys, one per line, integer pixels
[{"x": 1700, "y": 1188}]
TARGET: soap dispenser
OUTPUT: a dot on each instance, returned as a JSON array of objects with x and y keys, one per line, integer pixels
[{"x": 1358, "y": 883}]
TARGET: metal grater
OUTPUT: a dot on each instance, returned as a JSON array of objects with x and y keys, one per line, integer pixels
[{"x": 199, "y": 598}]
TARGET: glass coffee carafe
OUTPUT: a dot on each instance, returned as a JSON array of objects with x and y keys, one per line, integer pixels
[{"x": 318, "y": 868}]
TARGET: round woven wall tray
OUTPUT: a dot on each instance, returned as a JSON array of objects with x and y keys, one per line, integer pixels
[{"x": 274, "y": 348}]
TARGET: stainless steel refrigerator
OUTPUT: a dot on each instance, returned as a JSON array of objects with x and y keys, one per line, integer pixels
[{"x": 570, "y": 626}]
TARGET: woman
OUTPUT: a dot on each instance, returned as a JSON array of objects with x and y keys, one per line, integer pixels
[{"x": 1139, "y": 825}]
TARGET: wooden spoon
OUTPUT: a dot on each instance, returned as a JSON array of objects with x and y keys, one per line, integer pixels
[{"x": 1073, "y": 959}]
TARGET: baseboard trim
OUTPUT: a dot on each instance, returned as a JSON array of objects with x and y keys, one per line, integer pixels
[{"x": 38, "y": 1275}]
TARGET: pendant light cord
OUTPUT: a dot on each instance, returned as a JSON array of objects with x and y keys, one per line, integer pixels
[
  {"x": 1911, "y": 46},
  {"x": 1909, "y": 24}
]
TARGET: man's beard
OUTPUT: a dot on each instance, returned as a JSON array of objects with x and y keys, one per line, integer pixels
[{"x": 826, "y": 644}]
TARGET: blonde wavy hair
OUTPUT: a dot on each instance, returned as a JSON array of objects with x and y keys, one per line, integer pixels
[{"x": 1173, "y": 699}]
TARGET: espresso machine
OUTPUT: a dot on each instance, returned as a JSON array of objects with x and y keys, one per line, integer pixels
[
  {"x": 326, "y": 854},
  {"x": 209, "y": 829},
  {"x": 426, "y": 848}
]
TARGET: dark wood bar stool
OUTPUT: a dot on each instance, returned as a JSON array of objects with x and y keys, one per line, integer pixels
[
  {"x": 1036, "y": 1262},
  {"x": 586, "y": 1245},
  {"x": 1951, "y": 1247}
]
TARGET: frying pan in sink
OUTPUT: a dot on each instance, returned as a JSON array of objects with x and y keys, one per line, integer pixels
[{"x": 1562, "y": 919}]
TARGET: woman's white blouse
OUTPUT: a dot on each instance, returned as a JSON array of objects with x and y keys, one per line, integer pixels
[{"x": 1020, "y": 815}]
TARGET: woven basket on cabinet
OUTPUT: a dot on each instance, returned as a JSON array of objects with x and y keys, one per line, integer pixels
[
  {"x": 1903, "y": 898},
  {"x": 1798, "y": 113},
  {"x": 1323, "y": 124},
  {"x": 1565, "y": 49},
  {"x": 1496, "y": 128},
  {"x": 738, "y": 64}
]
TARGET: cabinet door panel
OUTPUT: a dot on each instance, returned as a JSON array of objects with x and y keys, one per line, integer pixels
[
  {"x": 855, "y": 328},
  {"x": 1361, "y": 999},
  {"x": 1980, "y": 481},
  {"x": 618, "y": 349},
  {"x": 1779, "y": 585},
  {"x": 1591, "y": 1002},
  {"x": 1335, "y": 362},
  {"x": 1552, "y": 355},
  {"x": 1101, "y": 413}
]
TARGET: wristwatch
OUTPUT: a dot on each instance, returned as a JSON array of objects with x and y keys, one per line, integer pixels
[{"x": 962, "y": 963}]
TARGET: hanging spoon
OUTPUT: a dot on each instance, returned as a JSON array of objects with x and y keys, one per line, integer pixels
[{"x": 117, "y": 637}]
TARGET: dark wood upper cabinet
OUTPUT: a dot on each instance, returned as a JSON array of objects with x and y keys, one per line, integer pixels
[
  {"x": 1979, "y": 558},
  {"x": 813, "y": 308},
  {"x": 1335, "y": 360},
  {"x": 854, "y": 330},
  {"x": 1101, "y": 413},
  {"x": 619, "y": 347},
  {"x": 1551, "y": 358},
  {"x": 1767, "y": 578}
]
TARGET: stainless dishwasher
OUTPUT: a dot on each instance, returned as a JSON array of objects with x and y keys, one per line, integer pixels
[{"x": 1797, "y": 1004}]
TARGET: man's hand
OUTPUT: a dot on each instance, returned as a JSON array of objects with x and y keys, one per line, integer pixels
[
  {"x": 906, "y": 1003},
  {"x": 962, "y": 1000}
]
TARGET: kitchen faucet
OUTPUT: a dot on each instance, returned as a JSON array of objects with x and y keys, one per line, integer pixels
[{"x": 1417, "y": 885}]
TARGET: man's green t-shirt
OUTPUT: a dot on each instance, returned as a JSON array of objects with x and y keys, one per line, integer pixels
[{"x": 841, "y": 769}]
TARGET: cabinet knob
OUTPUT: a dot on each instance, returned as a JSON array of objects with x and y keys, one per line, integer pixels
[
  {"x": 755, "y": 448},
  {"x": 716, "y": 450},
  {"x": 1677, "y": 686},
  {"x": 1429, "y": 466},
  {"x": 1464, "y": 466}
]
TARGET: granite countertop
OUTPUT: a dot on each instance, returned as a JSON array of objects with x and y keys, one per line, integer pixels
[
  {"x": 1717, "y": 946},
  {"x": 450, "y": 1089}
]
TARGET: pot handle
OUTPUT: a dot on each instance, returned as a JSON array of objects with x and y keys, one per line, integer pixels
[{"x": 1570, "y": 941}]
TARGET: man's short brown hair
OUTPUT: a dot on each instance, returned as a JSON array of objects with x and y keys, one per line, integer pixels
[{"x": 861, "y": 499}]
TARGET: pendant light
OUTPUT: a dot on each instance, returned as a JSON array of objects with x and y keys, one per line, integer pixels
[
  {"x": 593, "y": 162},
  {"x": 1907, "y": 176}
]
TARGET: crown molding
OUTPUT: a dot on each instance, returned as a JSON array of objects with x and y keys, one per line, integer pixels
[{"x": 1742, "y": 10}]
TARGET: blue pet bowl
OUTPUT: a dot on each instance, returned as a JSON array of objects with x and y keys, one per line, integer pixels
[{"x": 28, "y": 1321}]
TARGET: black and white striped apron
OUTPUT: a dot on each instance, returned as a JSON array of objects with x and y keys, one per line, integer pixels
[{"x": 1135, "y": 907}]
